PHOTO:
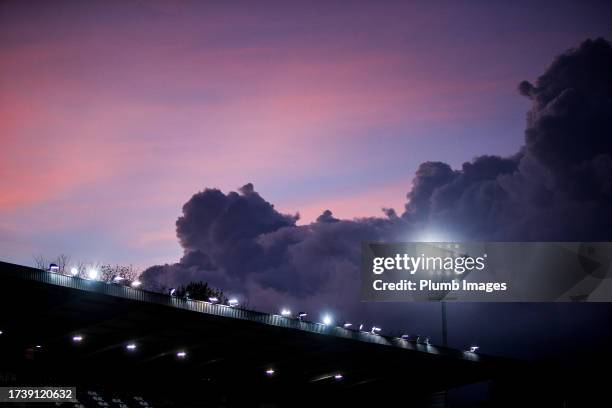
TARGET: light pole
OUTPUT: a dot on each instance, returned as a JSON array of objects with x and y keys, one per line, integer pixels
[
  {"x": 444, "y": 328},
  {"x": 445, "y": 344}
]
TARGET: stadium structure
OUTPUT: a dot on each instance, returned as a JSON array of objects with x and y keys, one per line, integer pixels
[{"x": 125, "y": 347}]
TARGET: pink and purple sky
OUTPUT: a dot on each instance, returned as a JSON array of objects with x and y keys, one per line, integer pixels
[{"x": 113, "y": 114}]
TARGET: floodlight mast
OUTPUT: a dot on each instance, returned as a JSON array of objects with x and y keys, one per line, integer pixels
[{"x": 444, "y": 325}]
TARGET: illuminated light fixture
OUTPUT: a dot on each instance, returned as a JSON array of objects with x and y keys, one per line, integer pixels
[
  {"x": 1, "y": 332},
  {"x": 285, "y": 312},
  {"x": 473, "y": 349},
  {"x": 118, "y": 279},
  {"x": 269, "y": 372},
  {"x": 347, "y": 325},
  {"x": 213, "y": 299},
  {"x": 136, "y": 283},
  {"x": 423, "y": 340},
  {"x": 181, "y": 354},
  {"x": 232, "y": 302},
  {"x": 77, "y": 338},
  {"x": 131, "y": 347},
  {"x": 74, "y": 271},
  {"x": 375, "y": 330},
  {"x": 411, "y": 338},
  {"x": 361, "y": 327},
  {"x": 172, "y": 291},
  {"x": 302, "y": 315},
  {"x": 338, "y": 377},
  {"x": 92, "y": 274},
  {"x": 38, "y": 346},
  {"x": 327, "y": 320},
  {"x": 53, "y": 268}
]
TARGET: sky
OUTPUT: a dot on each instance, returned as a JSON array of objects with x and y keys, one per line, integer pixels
[{"x": 113, "y": 114}]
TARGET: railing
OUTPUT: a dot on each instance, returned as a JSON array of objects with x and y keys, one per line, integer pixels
[{"x": 208, "y": 308}]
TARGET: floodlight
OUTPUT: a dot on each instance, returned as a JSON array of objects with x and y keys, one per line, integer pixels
[
  {"x": 131, "y": 347},
  {"x": 181, "y": 354},
  {"x": 74, "y": 271},
  {"x": 92, "y": 274},
  {"x": 375, "y": 329},
  {"x": 77, "y": 338},
  {"x": 213, "y": 299},
  {"x": 327, "y": 320},
  {"x": 361, "y": 327},
  {"x": 38, "y": 346},
  {"x": 338, "y": 376},
  {"x": 172, "y": 291},
  {"x": 286, "y": 312},
  {"x": 118, "y": 278},
  {"x": 53, "y": 268},
  {"x": 302, "y": 315},
  {"x": 136, "y": 283},
  {"x": 473, "y": 349},
  {"x": 233, "y": 302},
  {"x": 347, "y": 325},
  {"x": 270, "y": 371}
]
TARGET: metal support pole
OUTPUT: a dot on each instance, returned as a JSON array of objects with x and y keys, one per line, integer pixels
[{"x": 444, "y": 329}]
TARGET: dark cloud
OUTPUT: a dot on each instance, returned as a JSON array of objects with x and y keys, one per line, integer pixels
[
  {"x": 557, "y": 187},
  {"x": 220, "y": 231},
  {"x": 569, "y": 127},
  {"x": 429, "y": 177}
]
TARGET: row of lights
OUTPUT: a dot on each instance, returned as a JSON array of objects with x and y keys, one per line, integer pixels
[
  {"x": 328, "y": 320},
  {"x": 182, "y": 354},
  {"x": 93, "y": 274},
  {"x": 233, "y": 302},
  {"x": 270, "y": 372},
  {"x": 78, "y": 338}
]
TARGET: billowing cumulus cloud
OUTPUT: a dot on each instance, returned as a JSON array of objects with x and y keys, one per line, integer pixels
[{"x": 557, "y": 187}]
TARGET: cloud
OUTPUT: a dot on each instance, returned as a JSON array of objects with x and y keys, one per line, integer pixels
[{"x": 557, "y": 187}]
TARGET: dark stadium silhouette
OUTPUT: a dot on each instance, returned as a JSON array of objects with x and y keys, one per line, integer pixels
[{"x": 128, "y": 347}]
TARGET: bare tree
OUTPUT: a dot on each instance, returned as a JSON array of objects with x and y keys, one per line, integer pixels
[
  {"x": 123, "y": 272},
  {"x": 62, "y": 262},
  {"x": 80, "y": 266},
  {"x": 41, "y": 262},
  {"x": 107, "y": 272}
]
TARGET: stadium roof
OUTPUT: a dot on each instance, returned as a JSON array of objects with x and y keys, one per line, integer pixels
[{"x": 226, "y": 349}]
